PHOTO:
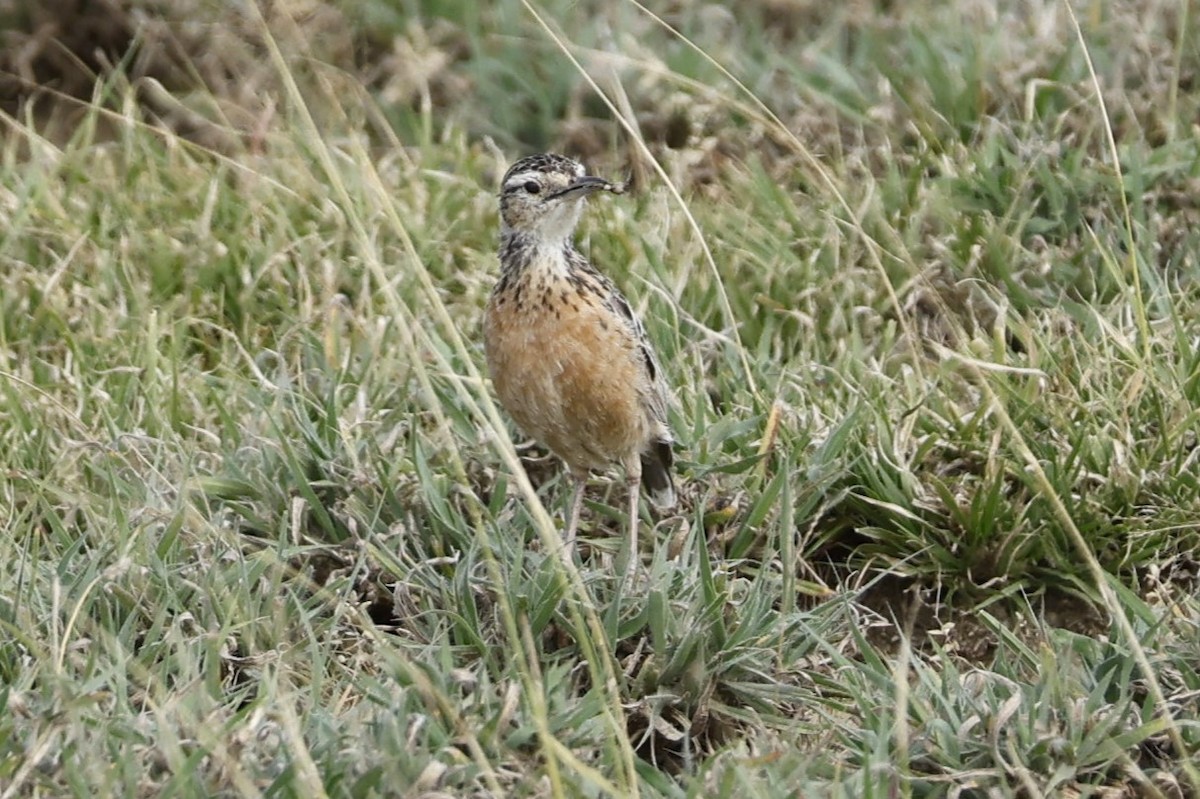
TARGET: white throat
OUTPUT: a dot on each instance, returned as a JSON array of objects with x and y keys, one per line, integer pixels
[{"x": 557, "y": 227}]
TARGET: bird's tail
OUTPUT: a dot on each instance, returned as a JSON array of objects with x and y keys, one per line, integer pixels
[{"x": 656, "y": 474}]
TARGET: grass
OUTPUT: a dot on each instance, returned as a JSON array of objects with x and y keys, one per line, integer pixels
[{"x": 929, "y": 320}]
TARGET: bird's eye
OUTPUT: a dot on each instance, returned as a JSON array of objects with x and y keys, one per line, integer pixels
[{"x": 532, "y": 187}]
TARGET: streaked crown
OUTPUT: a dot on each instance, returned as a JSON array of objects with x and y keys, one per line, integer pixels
[{"x": 543, "y": 164}]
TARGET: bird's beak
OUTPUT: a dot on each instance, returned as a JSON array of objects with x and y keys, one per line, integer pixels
[{"x": 583, "y": 186}]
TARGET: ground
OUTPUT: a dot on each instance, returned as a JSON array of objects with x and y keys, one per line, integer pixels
[{"x": 921, "y": 277}]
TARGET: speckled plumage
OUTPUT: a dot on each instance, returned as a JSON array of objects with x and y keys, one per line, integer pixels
[{"x": 568, "y": 357}]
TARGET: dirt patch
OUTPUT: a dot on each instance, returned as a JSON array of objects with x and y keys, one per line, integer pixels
[{"x": 903, "y": 607}]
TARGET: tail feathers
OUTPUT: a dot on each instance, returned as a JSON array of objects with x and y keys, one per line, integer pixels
[{"x": 656, "y": 474}]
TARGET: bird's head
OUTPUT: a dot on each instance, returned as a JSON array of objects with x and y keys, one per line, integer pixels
[{"x": 543, "y": 195}]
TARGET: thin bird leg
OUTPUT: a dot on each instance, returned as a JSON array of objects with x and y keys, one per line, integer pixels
[
  {"x": 633, "y": 483},
  {"x": 573, "y": 515}
]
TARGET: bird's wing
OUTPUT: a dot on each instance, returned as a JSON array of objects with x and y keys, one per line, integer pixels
[{"x": 657, "y": 398}]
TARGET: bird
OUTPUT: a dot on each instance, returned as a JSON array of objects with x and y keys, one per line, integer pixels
[{"x": 568, "y": 358}]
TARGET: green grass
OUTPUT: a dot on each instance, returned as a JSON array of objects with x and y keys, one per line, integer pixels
[{"x": 931, "y": 335}]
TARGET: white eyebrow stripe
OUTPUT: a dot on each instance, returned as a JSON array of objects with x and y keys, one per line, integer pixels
[{"x": 521, "y": 178}]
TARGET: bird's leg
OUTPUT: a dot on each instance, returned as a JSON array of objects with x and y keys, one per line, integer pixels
[
  {"x": 633, "y": 482},
  {"x": 573, "y": 512}
]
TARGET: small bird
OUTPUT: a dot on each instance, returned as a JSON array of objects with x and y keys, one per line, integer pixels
[{"x": 569, "y": 359}]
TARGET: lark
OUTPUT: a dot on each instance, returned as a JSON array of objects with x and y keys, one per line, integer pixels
[{"x": 568, "y": 357}]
